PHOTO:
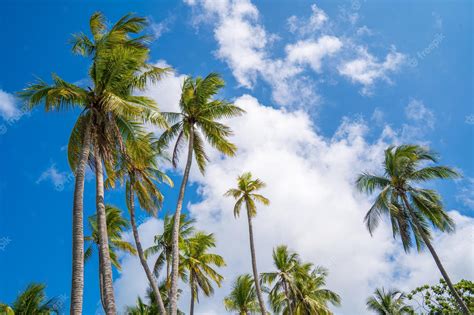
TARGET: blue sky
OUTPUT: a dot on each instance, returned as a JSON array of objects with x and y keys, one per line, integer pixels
[{"x": 353, "y": 75}]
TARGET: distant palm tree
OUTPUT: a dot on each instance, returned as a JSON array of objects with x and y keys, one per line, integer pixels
[
  {"x": 199, "y": 117},
  {"x": 311, "y": 296},
  {"x": 411, "y": 209},
  {"x": 391, "y": 302},
  {"x": 243, "y": 297},
  {"x": 199, "y": 264},
  {"x": 286, "y": 263},
  {"x": 245, "y": 194},
  {"x": 108, "y": 113},
  {"x": 140, "y": 171},
  {"x": 116, "y": 226},
  {"x": 163, "y": 243},
  {"x": 33, "y": 301},
  {"x": 150, "y": 308}
]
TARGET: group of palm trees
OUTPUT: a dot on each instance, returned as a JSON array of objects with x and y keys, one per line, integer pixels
[{"x": 110, "y": 137}]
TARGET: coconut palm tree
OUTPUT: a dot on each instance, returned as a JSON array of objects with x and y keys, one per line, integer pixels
[
  {"x": 142, "y": 308},
  {"x": 311, "y": 296},
  {"x": 200, "y": 265},
  {"x": 243, "y": 297},
  {"x": 163, "y": 243},
  {"x": 245, "y": 193},
  {"x": 33, "y": 301},
  {"x": 116, "y": 226},
  {"x": 140, "y": 171},
  {"x": 286, "y": 264},
  {"x": 198, "y": 120},
  {"x": 109, "y": 113},
  {"x": 411, "y": 209},
  {"x": 391, "y": 302}
]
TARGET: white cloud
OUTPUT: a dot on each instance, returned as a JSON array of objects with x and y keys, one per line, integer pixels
[
  {"x": 314, "y": 209},
  {"x": 56, "y": 177},
  {"x": 419, "y": 113},
  {"x": 312, "y": 52},
  {"x": 8, "y": 106},
  {"x": 367, "y": 70},
  {"x": 466, "y": 193},
  {"x": 306, "y": 26}
]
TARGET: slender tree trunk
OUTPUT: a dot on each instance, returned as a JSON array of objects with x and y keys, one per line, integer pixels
[
  {"x": 143, "y": 261},
  {"x": 101, "y": 284},
  {"x": 193, "y": 287},
  {"x": 287, "y": 295},
  {"x": 254, "y": 266},
  {"x": 173, "y": 296},
  {"x": 458, "y": 299},
  {"x": 105, "y": 262},
  {"x": 77, "y": 283}
]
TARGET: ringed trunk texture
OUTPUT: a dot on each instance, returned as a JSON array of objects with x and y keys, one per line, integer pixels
[
  {"x": 77, "y": 283},
  {"x": 141, "y": 255},
  {"x": 458, "y": 299},
  {"x": 193, "y": 286},
  {"x": 101, "y": 285},
  {"x": 254, "y": 266},
  {"x": 287, "y": 295},
  {"x": 105, "y": 263},
  {"x": 173, "y": 297}
]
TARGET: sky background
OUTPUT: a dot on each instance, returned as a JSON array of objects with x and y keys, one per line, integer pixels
[{"x": 327, "y": 86}]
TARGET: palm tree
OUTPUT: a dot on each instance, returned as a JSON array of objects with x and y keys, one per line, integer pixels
[
  {"x": 391, "y": 302},
  {"x": 198, "y": 117},
  {"x": 109, "y": 112},
  {"x": 245, "y": 194},
  {"x": 411, "y": 209},
  {"x": 286, "y": 263},
  {"x": 243, "y": 297},
  {"x": 140, "y": 170},
  {"x": 33, "y": 301},
  {"x": 200, "y": 264},
  {"x": 116, "y": 226},
  {"x": 163, "y": 243},
  {"x": 142, "y": 308},
  {"x": 311, "y": 296}
]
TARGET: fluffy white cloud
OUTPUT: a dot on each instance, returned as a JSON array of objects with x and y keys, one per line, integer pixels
[
  {"x": 8, "y": 106},
  {"x": 420, "y": 119},
  {"x": 314, "y": 210},
  {"x": 245, "y": 45},
  {"x": 366, "y": 69},
  {"x": 312, "y": 52}
]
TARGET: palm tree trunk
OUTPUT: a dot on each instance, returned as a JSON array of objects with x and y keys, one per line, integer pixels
[
  {"x": 173, "y": 296},
  {"x": 458, "y": 299},
  {"x": 254, "y": 266},
  {"x": 105, "y": 263},
  {"x": 193, "y": 287},
  {"x": 141, "y": 255},
  {"x": 101, "y": 284},
  {"x": 288, "y": 301},
  {"x": 77, "y": 285}
]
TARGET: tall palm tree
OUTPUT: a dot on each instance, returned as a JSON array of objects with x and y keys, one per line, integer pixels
[
  {"x": 163, "y": 243},
  {"x": 116, "y": 226},
  {"x": 311, "y": 296},
  {"x": 108, "y": 112},
  {"x": 33, "y": 301},
  {"x": 198, "y": 118},
  {"x": 200, "y": 265},
  {"x": 286, "y": 263},
  {"x": 243, "y": 297},
  {"x": 391, "y": 302},
  {"x": 141, "y": 173},
  {"x": 245, "y": 193},
  {"x": 411, "y": 209}
]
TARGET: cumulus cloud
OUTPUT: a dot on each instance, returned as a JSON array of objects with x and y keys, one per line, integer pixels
[
  {"x": 314, "y": 209},
  {"x": 420, "y": 119},
  {"x": 8, "y": 106},
  {"x": 245, "y": 45},
  {"x": 366, "y": 69}
]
